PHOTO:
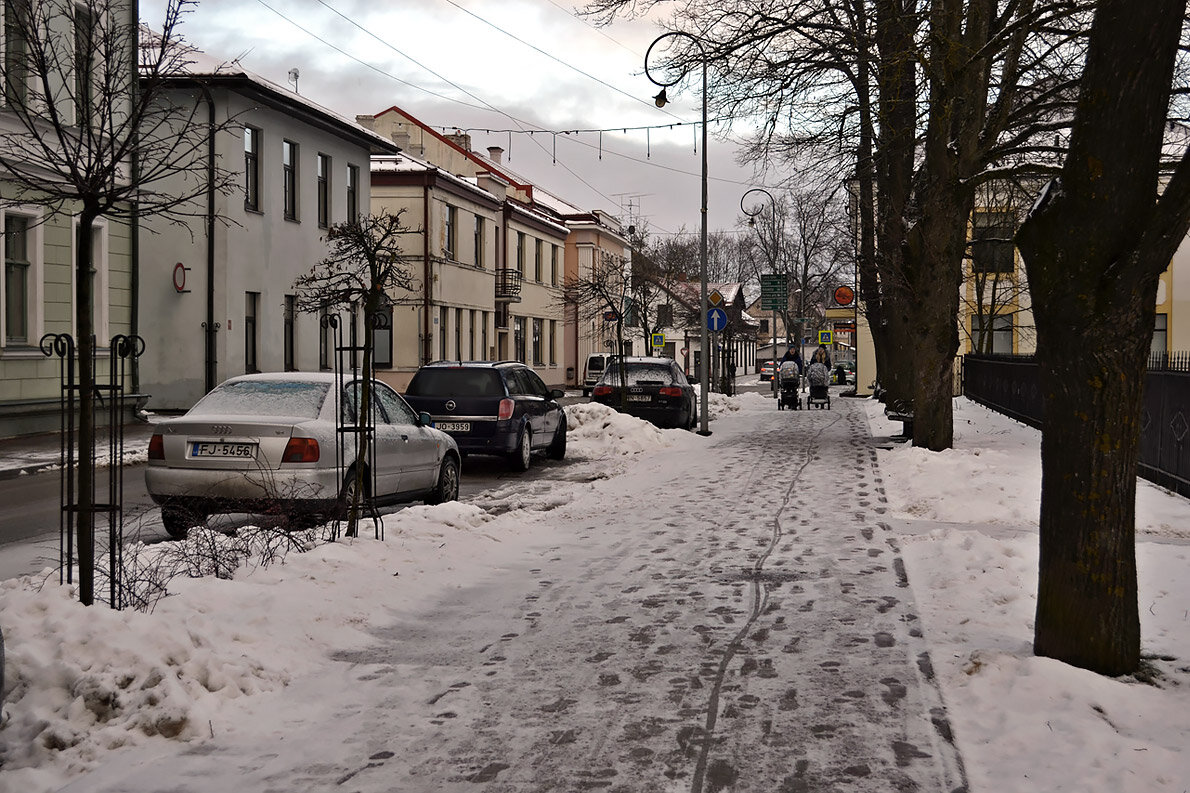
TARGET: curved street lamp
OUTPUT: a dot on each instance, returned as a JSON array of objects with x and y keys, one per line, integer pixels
[
  {"x": 660, "y": 100},
  {"x": 772, "y": 260}
]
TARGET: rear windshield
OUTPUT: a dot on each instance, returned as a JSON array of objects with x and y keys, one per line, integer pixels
[
  {"x": 595, "y": 364},
  {"x": 265, "y": 398},
  {"x": 456, "y": 382},
  {"x": 637, "y": 374}
]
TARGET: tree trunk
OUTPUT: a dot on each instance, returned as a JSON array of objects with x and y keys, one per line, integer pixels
[
  {"x": 1095, "y": 244},
  {"x": 897, "y": 87},
  {"x": 1086, "y": 599},
  {"x": 85, "y": 498},
  {"x": 934, "y": 268}
]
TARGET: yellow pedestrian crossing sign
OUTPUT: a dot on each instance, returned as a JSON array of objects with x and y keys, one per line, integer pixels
[
  {"x": 658, "y": 340},
  {"x": 824, "y": 337}
]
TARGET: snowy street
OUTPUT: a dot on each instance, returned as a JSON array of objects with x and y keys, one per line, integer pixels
[{"x": 787, "y": 605}]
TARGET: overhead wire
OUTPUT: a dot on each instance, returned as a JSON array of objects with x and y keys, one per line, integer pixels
[{"x": 524, "y": 127}]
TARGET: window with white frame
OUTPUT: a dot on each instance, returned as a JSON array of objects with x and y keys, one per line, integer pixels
[
  {"x": 85, "y": 47},
  {"x": 537, "y": 260},
  {"x": 553, "y": 265},
  {"x": 16, "y": 52},
  {"x": 479, "y": 235},
  {"x": 450, "y": 238},
  {"x": 1000, "y": 329},
  {"x": 520, "y": 253},
  {"x": 538, "y": 358},
  {"x": 18, "y": 268},
  {"x": 553, "y": 342},
  {"x": 251, "y": 332},
  {"x": 324, "y": 190},
  {"x": 252, "y": 169},
  {"x": 992, "y": 248},
  {"x": 289, "y": 178},
  {"x": 1160, "y": 335},
  {"x": 352, "y": 193}
]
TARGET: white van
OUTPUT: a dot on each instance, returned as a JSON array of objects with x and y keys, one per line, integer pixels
[{"x": 596, "y": 363}]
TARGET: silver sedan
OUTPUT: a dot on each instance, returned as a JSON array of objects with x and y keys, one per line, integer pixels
[{"x": 288, "y": 443}]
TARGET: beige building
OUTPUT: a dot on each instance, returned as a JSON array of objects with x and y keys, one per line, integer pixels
[{"x": 499, "y": 252}]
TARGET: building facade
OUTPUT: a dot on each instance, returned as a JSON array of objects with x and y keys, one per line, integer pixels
[
  {"x": 39, "y": 245},
  {"x": 218, "y": 299}
]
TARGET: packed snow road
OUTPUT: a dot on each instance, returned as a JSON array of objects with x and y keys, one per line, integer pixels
[{"x": 724, "y": 614}]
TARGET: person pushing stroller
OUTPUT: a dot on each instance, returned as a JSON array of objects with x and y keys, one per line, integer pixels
[
  {"x": 789, "y": 383},
  {"x": 819, "y": 375}
]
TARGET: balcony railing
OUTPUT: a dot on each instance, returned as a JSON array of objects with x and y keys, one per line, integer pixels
[{"x": 508, "y": 285}]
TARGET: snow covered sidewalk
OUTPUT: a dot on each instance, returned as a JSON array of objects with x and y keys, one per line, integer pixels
[{"x": 662, "y": 612}]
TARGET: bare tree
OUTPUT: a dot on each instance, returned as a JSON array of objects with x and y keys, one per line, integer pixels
[
  {"x": 1095, "y": 244},
  {"x": 365, "y": 265},
  {"x": 86, "y": 138},
  {"x": 600, "y": 296}
]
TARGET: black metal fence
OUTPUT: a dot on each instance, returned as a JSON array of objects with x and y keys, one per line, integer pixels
[{"x": 1008, "y": 384}]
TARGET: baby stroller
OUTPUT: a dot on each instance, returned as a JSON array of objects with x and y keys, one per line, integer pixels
[
  {"x": 819, "y": 377},
  {"x": 789, "y": 382}
]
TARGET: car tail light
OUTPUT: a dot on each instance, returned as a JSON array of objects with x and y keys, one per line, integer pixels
[
  {"x": 601, "y": 390},
  {"x": 157, "y": 447},
  {"x": 301, "y": 450},
  {"x": 505, "y": 410},
  {"x": 670, "y": 390}
]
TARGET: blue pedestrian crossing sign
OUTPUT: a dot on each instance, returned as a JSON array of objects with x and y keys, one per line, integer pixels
[
  {"x": 658, "y": 340},
  {"x": 824, "y": 337},
  {"x": 716, "y": 319}
]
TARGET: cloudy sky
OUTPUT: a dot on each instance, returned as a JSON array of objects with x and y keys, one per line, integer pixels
[{"x": 499, "y": 68}]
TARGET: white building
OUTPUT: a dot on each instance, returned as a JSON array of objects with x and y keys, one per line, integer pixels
[{"x": 217, "y": 300}]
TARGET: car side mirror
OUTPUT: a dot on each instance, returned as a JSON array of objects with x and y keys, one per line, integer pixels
[
  {"x": 557, "y": 393},
  {"x": 425, "y": 419}
]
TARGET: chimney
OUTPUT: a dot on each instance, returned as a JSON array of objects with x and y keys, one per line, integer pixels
[
  {"x": 367, "y": 122},
  {"x": 460, "y": 139},
  {"x": 495, "y": 154}
]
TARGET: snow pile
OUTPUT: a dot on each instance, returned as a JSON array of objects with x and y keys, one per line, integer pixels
[
  {"x": 968, "y": 524},
  {"x": 597, "y": 431},
  {"x": 83, "y": 681}
]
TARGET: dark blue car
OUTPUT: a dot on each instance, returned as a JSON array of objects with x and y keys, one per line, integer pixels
[{"x": 496, "y": 408}]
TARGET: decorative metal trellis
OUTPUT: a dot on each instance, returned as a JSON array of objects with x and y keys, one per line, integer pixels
[
  {"x": 77, "y": 451},
  {"x": 352, "y": 426}
]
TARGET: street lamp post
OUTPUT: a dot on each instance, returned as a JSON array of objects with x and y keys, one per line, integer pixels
[
  {"x": 772, "y": 261},
  {"x": 704, "y": 343}
]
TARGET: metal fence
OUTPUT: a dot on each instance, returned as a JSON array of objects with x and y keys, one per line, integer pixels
[{"x": 1008, "y": 384}]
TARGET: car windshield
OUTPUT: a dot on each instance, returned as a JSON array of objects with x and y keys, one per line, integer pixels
[
  {"x": 456, "y": 382},
  {"x": 639, "y": 374},
  {"x": 265, "y": 398}
]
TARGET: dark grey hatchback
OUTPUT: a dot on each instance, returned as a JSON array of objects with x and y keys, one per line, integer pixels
[
  {"x": 653, "y": 389},
  {"x": 499, "y": 408}
]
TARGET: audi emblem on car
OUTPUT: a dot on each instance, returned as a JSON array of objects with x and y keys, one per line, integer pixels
[{"x": 220, "y": 429}]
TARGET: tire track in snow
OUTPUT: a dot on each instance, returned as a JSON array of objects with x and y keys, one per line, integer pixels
[{"x": 760, "y": 598}]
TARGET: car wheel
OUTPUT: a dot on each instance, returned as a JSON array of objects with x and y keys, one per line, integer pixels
[
  {"x": 557, "y": 448},
  {"x": 520, "y": 457},
  {"x": 178, "y": 521},
  {"x": 447, "y": 488},
  {"x": 693, "y": 425},
  {"x": 347, "y": 493}
]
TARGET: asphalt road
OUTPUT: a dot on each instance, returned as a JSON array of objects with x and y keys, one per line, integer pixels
[{"x": 30, "y": 509}]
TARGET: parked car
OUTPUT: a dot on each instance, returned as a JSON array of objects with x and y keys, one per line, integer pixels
[
  {"x": 596, "y": 363},
  {"x": 766, "y": 370},
  {"x": 501, "y": 408},
  {"x": 657, "y": 391},
  {"x": 266, "y": 443}
]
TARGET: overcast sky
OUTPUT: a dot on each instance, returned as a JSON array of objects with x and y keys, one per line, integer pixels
[{"x": 498, "y": 65}]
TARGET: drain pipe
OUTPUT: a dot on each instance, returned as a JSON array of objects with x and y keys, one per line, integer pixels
[
  {"x": 210, "y": 368},
  {"x": 427, "y": 276}
]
